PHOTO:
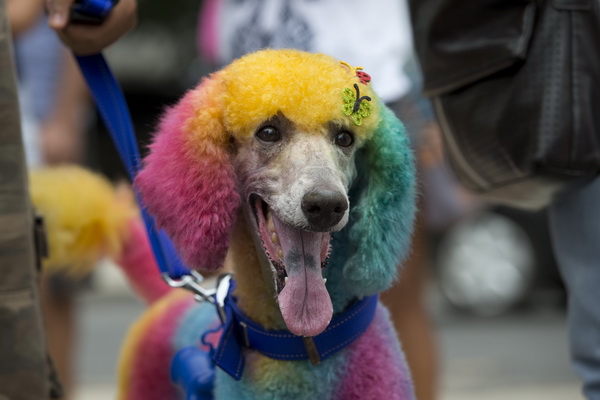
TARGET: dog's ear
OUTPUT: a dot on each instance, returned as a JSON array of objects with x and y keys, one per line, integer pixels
[
  {"x": 188, "y": 182},
  {"x": 382, "y": 219}
]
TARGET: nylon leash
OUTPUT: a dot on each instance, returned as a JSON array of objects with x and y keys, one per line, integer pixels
[{"x": 113, "y": 109}]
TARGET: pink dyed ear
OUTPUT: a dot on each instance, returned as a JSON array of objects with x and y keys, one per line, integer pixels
[{"x": 187, "y": 181}]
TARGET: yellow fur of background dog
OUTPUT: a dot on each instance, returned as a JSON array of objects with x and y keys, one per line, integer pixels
[{"x": 84, "y": 214}]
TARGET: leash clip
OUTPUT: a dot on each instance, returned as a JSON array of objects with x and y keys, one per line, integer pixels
[
  {"x": 221, "y": 292},
  {"x": 192, "y": 282}
]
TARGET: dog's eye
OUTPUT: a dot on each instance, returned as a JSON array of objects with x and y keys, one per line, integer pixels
[
  {"x": 344, "y": 139},
  {"x": 269, "y": 134}
]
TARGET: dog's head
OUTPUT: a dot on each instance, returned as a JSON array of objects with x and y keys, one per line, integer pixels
[{"x": 304, "y": 146}]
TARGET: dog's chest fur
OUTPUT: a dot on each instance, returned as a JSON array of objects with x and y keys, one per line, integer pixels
[{"x": 372, "y": 367}]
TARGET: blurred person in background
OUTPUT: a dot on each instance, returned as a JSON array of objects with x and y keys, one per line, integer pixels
[
  {"x": 443, "y": 27},
  {"x": 575, "y": 232},
  {"x": 377, "y": 38},
  {"x": 55, "y": 109},
  {"x": 53, "y": 96}
]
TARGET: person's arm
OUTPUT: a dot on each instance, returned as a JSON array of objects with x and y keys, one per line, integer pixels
[
  {"x": 63, "y": 132},
  {"x": 90, "y": 39},
  {"x": 22, "y": 14}
]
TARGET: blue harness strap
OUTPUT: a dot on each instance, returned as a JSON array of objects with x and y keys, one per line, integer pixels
[{"x": 194, "y": 372}]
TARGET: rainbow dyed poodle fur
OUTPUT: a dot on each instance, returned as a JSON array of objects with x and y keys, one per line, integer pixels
[{"x": 281, "y": 154}]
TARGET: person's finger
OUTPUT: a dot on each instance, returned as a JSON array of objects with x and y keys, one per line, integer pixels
[{"x": 58, "y": 13}]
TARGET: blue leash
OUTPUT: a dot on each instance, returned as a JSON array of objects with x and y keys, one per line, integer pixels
[{"x": 114, "y": 111}]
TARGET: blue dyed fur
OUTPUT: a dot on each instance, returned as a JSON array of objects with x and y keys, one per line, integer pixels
[{"x": 377, "y": 238}]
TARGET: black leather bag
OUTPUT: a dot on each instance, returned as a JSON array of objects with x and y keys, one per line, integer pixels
[{"x": 516, "y": 89}]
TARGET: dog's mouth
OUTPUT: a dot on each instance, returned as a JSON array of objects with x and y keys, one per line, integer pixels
[{"x": 297, "y": 258}]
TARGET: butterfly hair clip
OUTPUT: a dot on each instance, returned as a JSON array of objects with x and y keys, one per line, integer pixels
[{"x": 356, "y": 106}]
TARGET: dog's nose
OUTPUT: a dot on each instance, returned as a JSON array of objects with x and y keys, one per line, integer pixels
[{"x": 324, "y": 208}]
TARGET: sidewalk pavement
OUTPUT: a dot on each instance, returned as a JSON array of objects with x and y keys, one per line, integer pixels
[{"x": 550, "y": 392}]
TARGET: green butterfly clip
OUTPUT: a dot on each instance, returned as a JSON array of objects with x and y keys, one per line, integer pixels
[{"x": 354, "y": 105}]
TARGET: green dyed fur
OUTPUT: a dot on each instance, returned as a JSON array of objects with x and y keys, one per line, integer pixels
[{"x": 377, "y": 238}]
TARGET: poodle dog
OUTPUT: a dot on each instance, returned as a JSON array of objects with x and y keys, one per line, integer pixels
[{"x": 286, "y": 168}]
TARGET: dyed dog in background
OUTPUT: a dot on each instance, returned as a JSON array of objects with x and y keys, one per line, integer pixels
[
  {"x": 86, "y": 219},
  {"x": 287, "y": 168}
]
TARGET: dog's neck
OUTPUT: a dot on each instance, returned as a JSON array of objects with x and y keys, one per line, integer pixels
[{"x": 255, "y": 294}]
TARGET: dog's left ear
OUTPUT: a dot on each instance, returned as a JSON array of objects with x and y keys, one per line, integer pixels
[
  {"x": 188, "y": 181},
  {"x": 382, "y": 220}
]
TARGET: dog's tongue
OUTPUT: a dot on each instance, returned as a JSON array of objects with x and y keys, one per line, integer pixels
[{"x": 304, "y": 300}]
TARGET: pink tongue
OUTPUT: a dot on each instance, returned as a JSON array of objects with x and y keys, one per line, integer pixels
[{"x": 304, "y": 301}]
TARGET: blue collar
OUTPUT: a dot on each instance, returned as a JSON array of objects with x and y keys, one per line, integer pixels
[{"x": 241, "y": 332}]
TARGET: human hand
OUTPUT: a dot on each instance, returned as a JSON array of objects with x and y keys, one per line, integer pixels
[{"x": 90, "y": 39}]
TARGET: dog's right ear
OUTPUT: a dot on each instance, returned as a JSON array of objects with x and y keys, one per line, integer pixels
[
  {"x": 381, "y": 222},
  {"x": 188, "y": 182}
]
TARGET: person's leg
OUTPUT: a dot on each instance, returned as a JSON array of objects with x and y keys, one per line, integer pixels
[
  {"x": 23, "y": 356},
  {"x": 575, "y": 230},
  {"x": 406, "y": 301},
  {"x": 58, "y": 306}
]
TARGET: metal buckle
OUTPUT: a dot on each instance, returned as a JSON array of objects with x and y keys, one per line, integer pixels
[
  {"x": 221, "y": 293},
  {"x": 245, "y": 332},
  {"x": 214, "y": 296},
  {"x": 191, "y": 282}
]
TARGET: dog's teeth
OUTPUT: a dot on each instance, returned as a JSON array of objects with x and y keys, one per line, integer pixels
[
  {"x": 270, "y": 223},
  {"x": 324, "y": 280},
  {"x": 285, "y": 280},
  {"x": 280, "y": 253},
  {"x": 274, "y": 238}
]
